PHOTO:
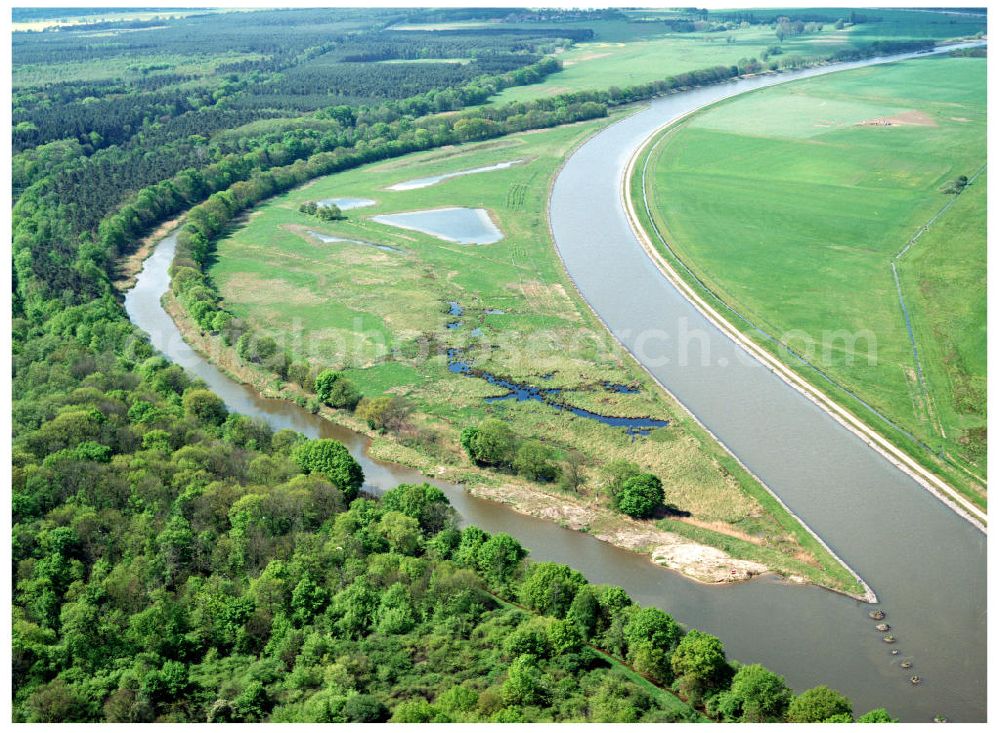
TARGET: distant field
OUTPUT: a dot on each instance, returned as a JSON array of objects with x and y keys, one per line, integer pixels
[
  {"x": 604, "y": 64},
  {"x": 633, "y": 53},
  {"x": 790, "y": 203},
  {"x": 65, "y": 17},
  {"x": 125, "y": 67},
  {"x": 370, "y": 311}
]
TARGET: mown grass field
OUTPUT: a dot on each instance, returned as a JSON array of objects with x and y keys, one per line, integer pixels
[
  {"x": 382, "y": 316},
  {"x": 790, "y": 204},
  {"x": 623, "y": 53}
]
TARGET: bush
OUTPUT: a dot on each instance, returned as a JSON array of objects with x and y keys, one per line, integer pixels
[
  {"x": 336, "y": 390},
  {"x": 878, "y": 715},
  {"x": 423, "y": 502},
  {"x": 332, "y": 460},
  {"x": 549, "y": 588},
  {"x": 492, "y": 443},
  {"x": 256, "y": 349},
  {"x": 204, "y": 406},
  {"x": 700, "y": 661},
  {"x": 532, "y": 462},
  {"x": 641, "y": 496},
  {"x": 388, "y": 412},
  {"x": 757, "y": 695},
  {"x": 818, "y": 705},
  {"x": 365, "y": 709},
  {"x": 417, "y": 711},
  {"x": 330, "y": 212}
]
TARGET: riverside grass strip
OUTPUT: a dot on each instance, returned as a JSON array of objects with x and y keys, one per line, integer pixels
[{"x": 273, "y": 274}]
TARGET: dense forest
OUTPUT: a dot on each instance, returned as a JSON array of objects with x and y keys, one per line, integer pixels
[{"x": 175, "y": 562}]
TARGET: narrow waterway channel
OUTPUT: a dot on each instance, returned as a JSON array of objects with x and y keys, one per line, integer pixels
[{"x": 926, "y": 564}]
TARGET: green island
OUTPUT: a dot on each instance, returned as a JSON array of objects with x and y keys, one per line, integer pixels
[
  {"x": 175, "y": 561},
  {"x": 380, "y": 318},
  {"x": 854, "y": 174}
]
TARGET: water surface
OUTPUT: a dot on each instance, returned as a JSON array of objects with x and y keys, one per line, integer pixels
[
  {"x": 452, "y": 224},
  {"x": 431, "y": 180},
  {"x": 346, "y": 203},
  {"x": 926, "y": 564},
  {"x": 330, "y": 239},
  {"x": 551, "y": 396}
]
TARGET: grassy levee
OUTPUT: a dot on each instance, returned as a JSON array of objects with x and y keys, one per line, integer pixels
[
  {"x": 624, "y": 54},
  {"x": 382, "y": 317},
  {"x": 947, "y": 268},
  {"x": 785, "y": 209}
]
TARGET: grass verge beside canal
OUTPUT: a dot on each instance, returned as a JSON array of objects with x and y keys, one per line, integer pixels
[
  {"x": 382, "y": 316},
  {"x": 784, "y": 208},
  {"x": 626, "y": 53}
]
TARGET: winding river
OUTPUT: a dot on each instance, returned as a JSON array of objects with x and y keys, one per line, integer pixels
[{"x": 927, "y": 565}]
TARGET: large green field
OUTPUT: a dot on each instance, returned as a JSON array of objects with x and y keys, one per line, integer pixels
[
  {"x": 383, "y": 315},
  {"x": 623, "y": 53},
  {"x": 791, "y": 204}
]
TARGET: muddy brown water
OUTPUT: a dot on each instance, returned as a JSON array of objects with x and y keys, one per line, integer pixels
[{"x": 926, "y": 564}]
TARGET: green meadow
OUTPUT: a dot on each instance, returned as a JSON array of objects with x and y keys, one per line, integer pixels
[
  {"x": 790, "y": 204},
  {"x": 382, "y": 316},
  {"x": 626, "y": 53}
]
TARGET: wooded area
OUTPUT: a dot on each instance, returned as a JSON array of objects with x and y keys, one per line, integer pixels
[{"x": 174, "y": 562}]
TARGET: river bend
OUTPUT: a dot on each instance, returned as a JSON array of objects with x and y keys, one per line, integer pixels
[{"x": 926, "y": 564}]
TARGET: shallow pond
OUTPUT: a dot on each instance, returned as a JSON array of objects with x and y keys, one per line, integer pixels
[
  {"x": 634, "y": 426},
  {"x": 452, "y": 224},
  {"x": 431, "y": 180},
  {"x": 330, "y": 239},
  {"x": 346, "y": 203}
]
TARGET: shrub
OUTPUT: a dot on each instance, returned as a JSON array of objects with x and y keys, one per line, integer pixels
[
  {"x": 388, "y": 412},
  {"x": 532, "y": 462},
  {"x": 818, "y": 705},
  {"x": 336, "y": 390},
  {"x": 332, "y": 460},
  {"x": 757, "y": 695},
  {"x": 641, "y": 495},
  {"x": 256, "y": 349},
  {"x": 492, "y": 443},
  {"x": 204, "y": 406}
]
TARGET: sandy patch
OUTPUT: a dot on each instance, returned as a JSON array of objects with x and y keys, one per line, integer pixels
[
  {"x": 127, "y": 268},
  {"x": 723, "y": 528},
  {"x": 699, "y": 562},
  {"x": 585, "y": 57},
  {"x": 913, "y": 117}
]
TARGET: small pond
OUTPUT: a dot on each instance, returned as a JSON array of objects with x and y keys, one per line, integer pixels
[
  {"x": 330, "y": 239},
  {"x": 431, "y": 180},
  {"x": 452, "y": 224},
  {"x": 346, "y": 203},
  {"x": 634, "y": 426}
]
